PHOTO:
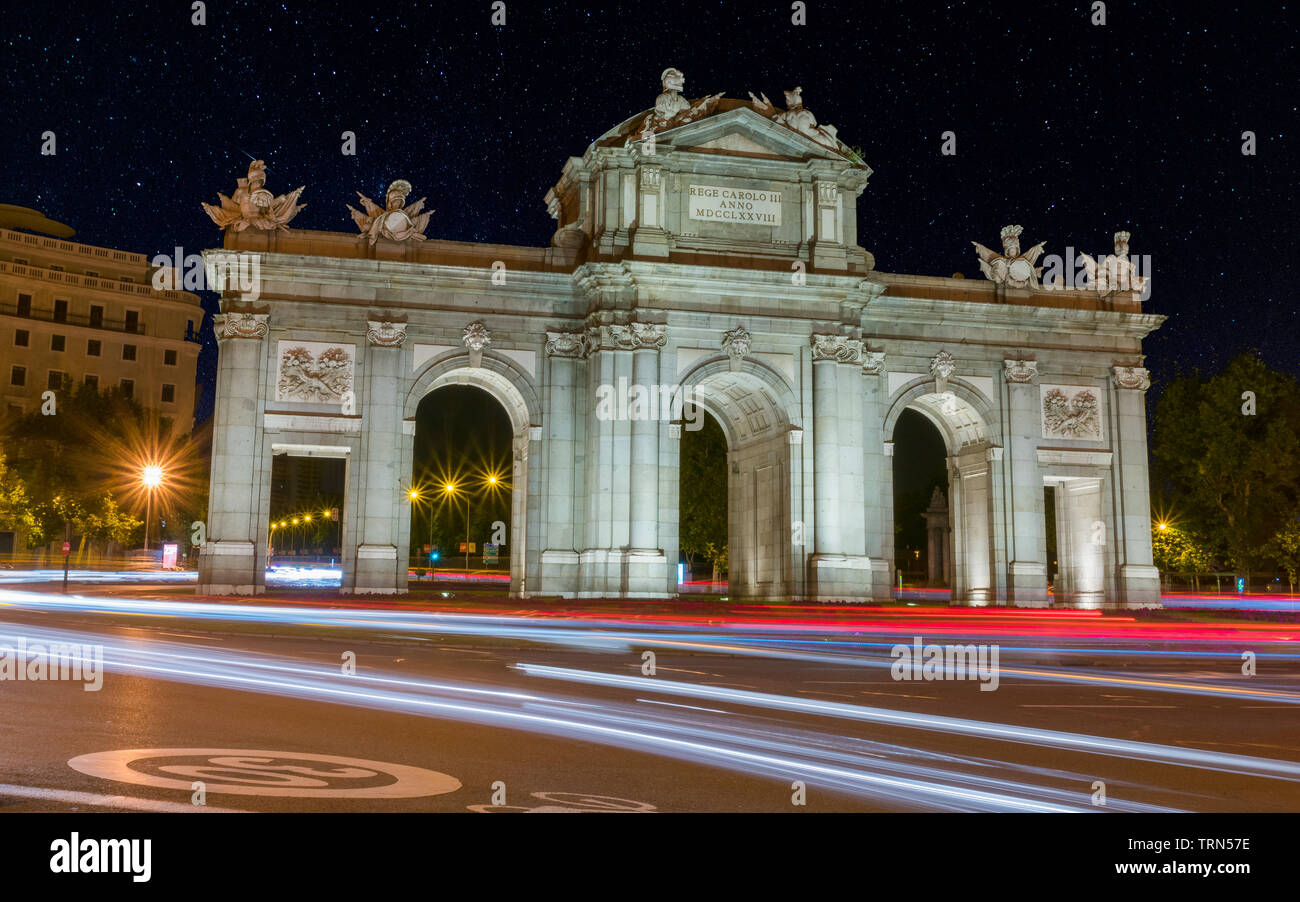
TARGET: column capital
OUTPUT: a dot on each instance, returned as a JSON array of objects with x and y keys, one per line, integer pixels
[
  {"x": 873, "y": 362},
  {"x": 1020, "y": 371},
  {"x": 565, "y": 344},
  {"x": 836, "y": 349},
  {"x": 629, "y": 337},
  {"x": 241, "y": 324},
  {"x": 386, "y": 333},
  {"x": 1136, "y": 378}
]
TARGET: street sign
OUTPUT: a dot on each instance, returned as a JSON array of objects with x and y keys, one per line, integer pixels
[
  {"x": 489, "y": 553},
  {"x": 471, "y": 550},
  {"x": 67, "y": 547}
]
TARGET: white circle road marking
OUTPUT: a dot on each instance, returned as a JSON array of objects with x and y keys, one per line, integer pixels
[{"x": 298, "y": 775}]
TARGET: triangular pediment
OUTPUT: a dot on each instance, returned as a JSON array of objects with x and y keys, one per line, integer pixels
[{"x": 744, "y": 132}]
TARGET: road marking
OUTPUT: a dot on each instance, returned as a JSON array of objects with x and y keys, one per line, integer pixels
[
  {"x": 649, "y": 701},
  {"x": 571, "y": 802},
  {"x": 102, "y": 801},
  {"x": 256, "y": 772}
]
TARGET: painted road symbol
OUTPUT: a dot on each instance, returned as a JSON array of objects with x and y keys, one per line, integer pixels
[{"x": 256, "y": 772}]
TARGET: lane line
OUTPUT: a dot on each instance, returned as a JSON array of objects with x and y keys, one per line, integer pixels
[{"x": 105, "y": 801}]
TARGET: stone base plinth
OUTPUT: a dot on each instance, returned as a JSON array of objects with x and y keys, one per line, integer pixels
[
  {"x": 839, "y": 578},
  {"x": 230, "y": 568},
  {"x": 618, "y": 573},
  {"x": 1027, "y": 585},
  {"x": 1139, "y": 587}
]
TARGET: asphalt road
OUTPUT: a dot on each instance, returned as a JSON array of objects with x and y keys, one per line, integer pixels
[{"x": 779, "y": 710}]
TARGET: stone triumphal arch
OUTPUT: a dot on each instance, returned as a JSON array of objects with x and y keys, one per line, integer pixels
[{"x": 706, "y": 255}]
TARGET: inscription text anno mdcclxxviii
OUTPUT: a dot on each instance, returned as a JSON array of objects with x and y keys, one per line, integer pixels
[{"x": 743, "y": 205}]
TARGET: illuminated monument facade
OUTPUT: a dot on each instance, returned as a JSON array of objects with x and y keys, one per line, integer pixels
[{"x": 706, "y": 250}]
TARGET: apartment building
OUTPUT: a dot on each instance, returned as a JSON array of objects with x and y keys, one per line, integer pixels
[{"x": 92, "y": 315}]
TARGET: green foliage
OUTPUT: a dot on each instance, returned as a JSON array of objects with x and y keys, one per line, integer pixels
[
  {"x": 1285, "y": 549},
  {"x": 1178, "y": 551},
  {"x": 1230, "y": 476},
  {"x": 703, "y": 517},
  {"x": 16, "y": 508}
]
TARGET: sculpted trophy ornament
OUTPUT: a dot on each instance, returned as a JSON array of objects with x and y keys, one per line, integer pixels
[
  {"x": 671, "y": 109},
  {"x": 395, "y": 220},
  {"x": 798, "y": 118},
  {"x": 252, "y": 206},
  {"x": 1011, "y": 268},
  {"x": 1116, "y": 272}
]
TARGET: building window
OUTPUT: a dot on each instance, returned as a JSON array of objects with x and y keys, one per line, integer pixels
[
  {"x": 54, "y": 380},
  {"x": 57, "y": 342},
  {"x": 92, "y": 381},
  {"x": 92, "y": 347},
  {"x": 96, "y": 316},
  {"x": 18, "y": 376},
  {"x": 128, "y": 388},
  {"x": 22, "y": 338},
  {"x": 54, "y": 267},
  {"x": 16, "y": 410},
  {"x": 168, "y": 393},
  {"x": 169, "y": 358},
  {"x": 133, "y": 320},
  {"x": 127, "y": 279},
  {"x": 189, "y": 328},
  {"x": 60, "y": 310},
  {"x": 21, "y": 261},
  {"x": 128, "y": 352},
  {"x": 24, "y": 305},
  {"x": 92, "y": 274}
]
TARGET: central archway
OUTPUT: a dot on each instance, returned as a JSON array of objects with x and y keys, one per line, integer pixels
[{"x": 756, "y": 409}]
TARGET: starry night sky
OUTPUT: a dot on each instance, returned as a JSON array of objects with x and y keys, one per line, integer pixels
[{"x": 1070, "y": 129}]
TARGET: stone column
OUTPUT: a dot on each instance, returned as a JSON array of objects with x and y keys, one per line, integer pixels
[
  {"x": 1025, "y": 518},
  {"x": 971, "y": 491},
  {"x": 877, "y": 477},
  {"x": 621, "y": 450},
  {"x": 644, "y": 531},
  {"x": 840, "y": 569},
  {"x": 828, "y": 249},
  {"x": 1139, "y": 580},
  {"x": 233, "y": 559},
  {"x": 649, "y": 238},
  {"x": 559, "y": 565},
  {"x": 381, "y": 559}
]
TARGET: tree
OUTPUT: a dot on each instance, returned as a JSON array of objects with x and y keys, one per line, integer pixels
[
  {"x": 1181, "y": 552},
  {"x": 1285, "y": 549},
  {"x": 703, "y": 515},
  {"x": 1227, "y": 455},
  {"x": 16, "y": 509}
]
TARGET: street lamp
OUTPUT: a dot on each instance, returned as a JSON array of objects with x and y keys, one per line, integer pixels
[
  {"x": 415, "y": 496},
  {"x": 151, "y": 476},
  {"x": 450, "y": 488}
]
